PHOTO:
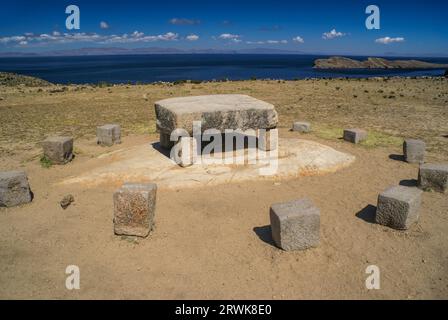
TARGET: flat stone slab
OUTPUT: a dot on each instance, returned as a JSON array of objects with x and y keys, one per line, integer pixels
[
  {"x": 223, "y": 111},
  {"x": 134, "y": 209},
  {"x": 145, "y": 163},
  {"x": 295, "y": 225},
  {"x": 414, "y": 151},
  {"x": 398, "y": 207},
  {"x": 14, "y": 189},
  {"x": 433, "y": 177}
]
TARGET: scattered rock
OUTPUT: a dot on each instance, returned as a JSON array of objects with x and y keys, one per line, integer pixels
[{"x": 66, "y": 201}]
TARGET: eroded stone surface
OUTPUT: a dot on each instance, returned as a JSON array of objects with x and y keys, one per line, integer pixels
[
  {"x": 59, "y": 150},
  {"x": 134, "y": 209},
  {"x": 398, "y": 207},
  {"x": 14, "y": 189},
  {"x": 414, "y": 151},
  {"x": 433, "y": 177},
  {"x": 221, "y": 112},
  {"x": 355, "y": 135},
  {"x": 108, "y": 135},
  {"x": 295, "y": 225}
]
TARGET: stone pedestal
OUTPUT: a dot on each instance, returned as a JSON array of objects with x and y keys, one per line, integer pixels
[
  {"x": 134, "y": 209},
  {"x": 59, "y": 150}
]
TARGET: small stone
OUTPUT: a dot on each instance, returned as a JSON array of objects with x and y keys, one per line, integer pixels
[
  {"x": 355, "y": 135},
  {"x": 398, "y": 207},
  {"x": 66, "y": 201},
  {"x": 134, "y": 209},
  {"x": 14, "y": 189},
  {"x": 295, "y": 225},
  {"x": 433, "y": 177},
  {"x": 414, "y": 151},
  {"x": 59, "y": 150},
  {"x": 302, "y": 127},
  {"x": 108, "y": 135}
]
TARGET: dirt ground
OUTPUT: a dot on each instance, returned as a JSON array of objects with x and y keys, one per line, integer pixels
[{"x": 214, "y": 243}]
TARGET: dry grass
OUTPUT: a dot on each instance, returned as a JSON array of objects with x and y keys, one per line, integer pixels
[{"x": 390, "y": 110}]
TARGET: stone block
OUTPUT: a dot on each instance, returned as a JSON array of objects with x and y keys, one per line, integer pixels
[
  {"x": 398, "y": 207},
  {"x": 108, "y": 135},
  {"x": 295, "y": 225},
  {"x": 134, "y": 209},
  {"x": 414, "y": 151},
  {"x": 221, "y": 112},
  {"x": 433, "y": 177},
  {"x": 59, "y": 150},
  {"x": 355, "y": 135},
  {"x": 302, "y": 127},
  {"x": 14, "y": 189}
]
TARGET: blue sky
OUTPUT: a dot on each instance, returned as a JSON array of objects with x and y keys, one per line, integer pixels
[{"x": 407, "y": 27}]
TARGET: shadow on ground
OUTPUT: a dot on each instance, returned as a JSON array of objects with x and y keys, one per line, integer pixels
[
  {"x": 367, "y": 214},
  {"x": 264, "y": 234},
  {"x": 408, "y": 183},
  {"x": 397, "y": 157}
]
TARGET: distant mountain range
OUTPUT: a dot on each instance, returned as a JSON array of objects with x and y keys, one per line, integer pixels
[{"x": 150, "y": 50}]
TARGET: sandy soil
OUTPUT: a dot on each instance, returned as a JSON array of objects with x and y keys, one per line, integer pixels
[{"x": 213, "y": 243}]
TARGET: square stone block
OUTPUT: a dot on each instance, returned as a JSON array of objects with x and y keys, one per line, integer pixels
[
  {"x": 433, "y": 177},
  {"x": 108, "y": 135},
  {"x": 59, "y": 150},
  {"x": 398, "y": 207},
  {"x": 355, "y": 135},
  {"x": 14, "y": 189},
  {"x": 134, "y": 209},
  {"x": 295, "y": 225},
  {"x": 414, "y": 151},
  {"x": 302, "y": 127}
]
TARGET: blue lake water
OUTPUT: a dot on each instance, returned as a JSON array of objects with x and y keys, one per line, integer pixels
[{"x": 171, "y": 67}]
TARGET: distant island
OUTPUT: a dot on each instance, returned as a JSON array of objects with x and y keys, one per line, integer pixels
[{"x": 374, "y": 63}]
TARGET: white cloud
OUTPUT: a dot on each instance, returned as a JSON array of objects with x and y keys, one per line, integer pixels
[
  {"x": 192, "y": 37},
  {"x": 298, "y": 39},
  {"x": 61, "y": 38},
  {"x": 228, "y": 36},
  {"x": 332, "y": 34},
  {"x": 104, "y": 25},
  {"x": 387, "y": 40}
]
